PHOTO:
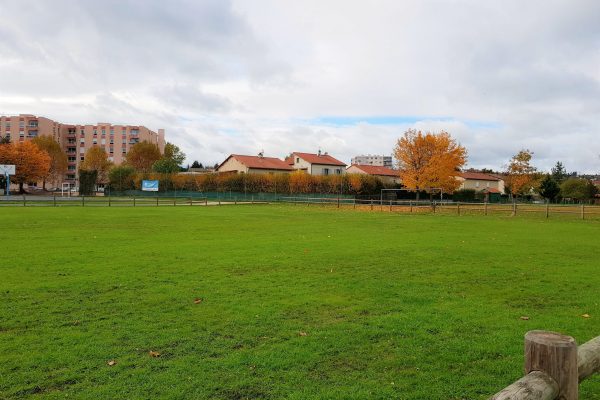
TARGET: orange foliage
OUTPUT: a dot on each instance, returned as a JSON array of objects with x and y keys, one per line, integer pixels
[
  {"x": 520, "y": 173},
  {"x": 428, "y": 161},
  {"x": 31, "y": 163}
]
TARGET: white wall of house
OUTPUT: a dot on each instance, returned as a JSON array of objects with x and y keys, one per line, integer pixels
[{"x": 233, "y": 165}]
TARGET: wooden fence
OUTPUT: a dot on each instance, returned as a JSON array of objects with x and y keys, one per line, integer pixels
[
  {"x": 458, "y": 208},
  {"x": 554, "y": 368}
]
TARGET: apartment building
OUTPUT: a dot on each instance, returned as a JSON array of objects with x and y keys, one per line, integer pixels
[
  {"x": 376, "y": 160},
  {"x": 75, "y": 140}
]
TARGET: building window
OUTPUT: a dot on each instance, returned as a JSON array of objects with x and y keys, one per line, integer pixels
[
  {"x": 81, "y": 158},
  {"x": 338, "y": 171},
  {"x": 477, "y": 184},
  {"x": 297, "y": 160},
  {"x": 103, "y": 141},
  {"x": 325, "y": 171}
]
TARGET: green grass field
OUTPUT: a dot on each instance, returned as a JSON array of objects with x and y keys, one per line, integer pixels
[{"x": 297, "y": 302}]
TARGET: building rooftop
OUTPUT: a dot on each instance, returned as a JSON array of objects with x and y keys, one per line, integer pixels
[
  {"x": 478, "y": 176},
  {"x": 258, "y": 162},
  {"x": 376, "y": 170},
  {"x": 324, "y": 159}
]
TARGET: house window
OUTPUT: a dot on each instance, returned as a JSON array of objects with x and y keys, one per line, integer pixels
[
  {"x": 325, "y": 171},
  {"x": 338, "y": 171},
  {"x": 477, "y": 184},
  {"x": 487, "y": 184},
  {"x": 297, "y": 160}
]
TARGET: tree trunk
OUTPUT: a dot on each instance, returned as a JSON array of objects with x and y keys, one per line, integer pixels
[{"x": 21, "y": 190}]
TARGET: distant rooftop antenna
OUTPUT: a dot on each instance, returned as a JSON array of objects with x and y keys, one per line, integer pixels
[
  {"x": 319, "y": 153},
  {"x": 261, "y": 153}
]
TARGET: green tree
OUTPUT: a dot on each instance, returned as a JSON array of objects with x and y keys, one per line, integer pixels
[
  {"x": 58, "y": 158},
  {"x": 196, "y": 164},
  {"x": 549, "y": 188},
  {"x": 578, "y": 189},
  {"x": 173, "y": 152},
  {"x": 165, "y": 166},
  {"x": 121, "y": 178},
  {"x": 559, "y": 173},
  {"x": 87, "y": 181}
]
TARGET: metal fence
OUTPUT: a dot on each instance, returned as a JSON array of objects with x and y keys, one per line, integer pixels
[{"x": 396, "y": 206}]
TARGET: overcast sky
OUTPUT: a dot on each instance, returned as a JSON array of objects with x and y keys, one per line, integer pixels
[{"x": 348, "y": 77}]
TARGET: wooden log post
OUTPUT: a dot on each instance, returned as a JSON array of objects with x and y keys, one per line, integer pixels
[
  {"x": 547, "y": 210},
  {"x": 485, "y": 211},
  {"x": 410, "y": 204},
  {"x": 134, "y": 200},
  {"x": 371, "y": 204},
  {"x": 583, "y": 211},
  {"x": 54, "y": 198},
  {"x": 555, "y": 355},
  {"x": 514, "y": 210},
  {"x": 536, "y": 385},
  {"x": 458, "y": 208},
  {"x": 588, "y": 358}
]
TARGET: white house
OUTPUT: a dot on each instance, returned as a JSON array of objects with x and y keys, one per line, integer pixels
[{"x": 316, "y": 164}]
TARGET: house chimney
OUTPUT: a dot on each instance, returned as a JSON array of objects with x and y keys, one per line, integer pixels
[
  {"x": 319, "y": 153},
  {"x": 261, "y": 154}
]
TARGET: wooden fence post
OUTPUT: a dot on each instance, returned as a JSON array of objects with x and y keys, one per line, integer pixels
[
  {"x": 54, "y": 200},
  {"x": 206, "y": 201},
  {"x": 547, "y": 210},
  {"x": 174, "y": 200},
  {"x": 157, "y": 200},
  {"x": 485, "y": 208},
  {"x": 371, "y": 204},
  {"x": 514, "y": 212},
  {"x": 354, "y": 204},
  {"x": 390, "y": 205},
  {"x": 109, "y": 200},
  {"x": 134, "y": 200},
  {"x": 191, "y": 200},
  {"x": 24, "y": 201},
  {"x": 410, "y": 204},
  {"x": 83, "y": 201},
  {"x": 458, "y": 208},
  {"x": 583, "y": 211},
  {"x": 556, "y": 355}
]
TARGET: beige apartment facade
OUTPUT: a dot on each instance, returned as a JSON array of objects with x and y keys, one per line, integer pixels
[{"x": 75, "y": 140}]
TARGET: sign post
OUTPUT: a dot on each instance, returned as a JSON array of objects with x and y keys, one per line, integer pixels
[{"x": 7, "y": 170}]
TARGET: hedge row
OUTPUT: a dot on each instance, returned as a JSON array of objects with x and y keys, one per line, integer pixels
[{"x": 125, "y": 178}]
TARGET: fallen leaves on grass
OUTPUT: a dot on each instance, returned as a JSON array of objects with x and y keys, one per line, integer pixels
[
  {"x": 586, "y": 315},
  {"x": 525, "y": 318},
  {"x": 198, "y": 300},
  {"x": 154, "y": 353},
  {"x": 302, "y": 333},
  {"x": 111, "y": 363}
]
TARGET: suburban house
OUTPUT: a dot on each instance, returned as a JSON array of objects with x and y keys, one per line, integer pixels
[
  {"x": 491, "y": 185},
  {"x": 387, "y": 175},
  {"x": 254, "y": 165},
  {"x": 316, "y": 164}
]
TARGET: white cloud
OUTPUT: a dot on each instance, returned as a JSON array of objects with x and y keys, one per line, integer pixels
[{"x": 247, "y": 75}]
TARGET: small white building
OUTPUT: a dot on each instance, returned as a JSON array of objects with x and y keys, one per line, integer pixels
[{"x": 316, "y": 164}]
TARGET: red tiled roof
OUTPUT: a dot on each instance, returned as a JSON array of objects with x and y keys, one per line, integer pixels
[
  {"x": 376, "y": 170},
  {"x": 256, "y": 162},
  {"x": 478, "y": 176},
  {"x": 491, "y": 190},
  {"x": 324, "y": 159}
]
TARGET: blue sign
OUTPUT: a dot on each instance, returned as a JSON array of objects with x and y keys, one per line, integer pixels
[{"x": 150, "y": 186}]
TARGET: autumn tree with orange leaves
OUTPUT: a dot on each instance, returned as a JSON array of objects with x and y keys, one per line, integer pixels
[
  {"x": 429, "y": 161},
  {"x": 520, "y": 173},
  {"x": 31, "y": 163}
]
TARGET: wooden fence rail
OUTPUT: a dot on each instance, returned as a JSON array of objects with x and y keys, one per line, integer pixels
[{"x": 554, "y": 367}]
